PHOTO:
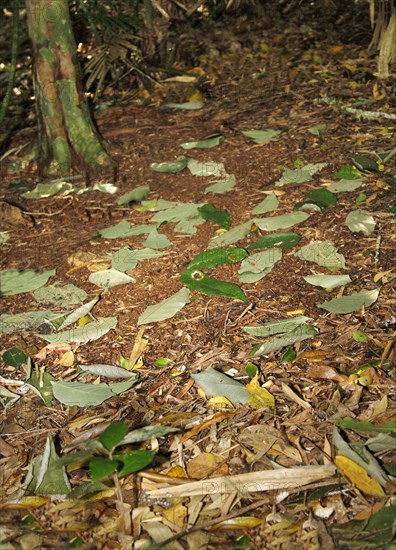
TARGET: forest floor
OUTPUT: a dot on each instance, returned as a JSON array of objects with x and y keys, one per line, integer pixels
[{"x": 325, "y": 397}]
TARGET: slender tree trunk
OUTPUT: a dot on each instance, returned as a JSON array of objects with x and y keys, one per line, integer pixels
[{"x": 68, "y": 140}]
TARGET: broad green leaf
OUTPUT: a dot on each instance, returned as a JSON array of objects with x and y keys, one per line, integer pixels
[
  {"x": 359, "y": 336},
  {"x": 323, "y": 253},
  {"x": 113, "y": 435},
  {"x": 345, "y": 186},
  {"x": 108, "y": 278},
  {"x": 328, "y": 281},
  {"x": 124, "y": 259},
  {"x": 366, "y": 163},
  {"x": 279, "y": 240},
  {"x": 27, "y": 321},
  {"x": 347, "y": 172},
  {"x": 157, "y": 240},
  {"x": 197, "y": 280},
  {"x": 277, "y": 327},
  {"x": 133, "y": 461},
  {"x": 298, "y": 334},
  {"x": 41, "y": 385},
  {"x": 256, "y": 266},
  {"x": 317, "y": 130},
  {"x": 87, "y": 395},
  {"x": 251, "y": 369},
  {"x": 215, "y": 215},
  {"x": 218, "y": 256},
  {"x": 280, "y": 222},
  {"x": 309, "y": 206},
  {"x": 109, "y": 371},
  {"x": 119, "y": 387},
  {"x": 300, "y": 175},
  {"x": 360, "y": 220},
  {"x": 231, "y": 236},
  {"x": 86, "y": 333},
  {"x": 349, "y": 423},
  {"x": 15, "y": 281},
  {"x": 187, "y": 106},
  {"x": 124, "y": 229},
  {"x": 262, "y": 136},
  {"x": 166, "y": 308},
  {"x": 221, "y": 186},
  {"x": 354, "y": 302},
  {"x": 323, "y": 197},
  {"x": 269, "y": 204},
  {"x": 162, "y": 362},
  {"x": 171, "y": 167},
  {"x": 78, "y": 313},
  {"x": 289, "y": 355},
  {"x": 147, "y": 432},
  {"x": 14, "y": 357},
  {"x": 45, "y": 190},
  {"x": 136, "y": 195},
  {"x": 203, "y": 143},
  {"x": 100, "y": 467},
  {"x": 215, "y": 383},
  {"x": 206, "y": 169},
  {"x": 60, "y": 295},
  {"x": 188, "y": 226},
  {"x": 360, "y": 198},
  {"x": 181, "y": 211},
  {"x": 48, "y": 476},
  {"x": 156, "y": 205}
]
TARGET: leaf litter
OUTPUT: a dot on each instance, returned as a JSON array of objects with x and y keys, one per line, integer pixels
[{"x": 223, "y": 453}]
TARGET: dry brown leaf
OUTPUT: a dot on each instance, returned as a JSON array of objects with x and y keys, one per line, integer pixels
[{"x": 205, "y": 465}]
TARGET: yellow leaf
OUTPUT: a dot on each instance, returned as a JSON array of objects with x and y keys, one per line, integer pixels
[
  {"x": 177, "y": 471},
  {"x": 244, "y": 522},
  {"x": 259, "y": 397},
  {"x": 196, "y": 96},
  {"x": 219, "y": 402},
  {"x": 66, "y": 360},
  {"x": 84, "y": 320},
  {"x": 26, "y": 502},
  {"x": 358, "y": 476},
  {"x": 176, "y": 514}
]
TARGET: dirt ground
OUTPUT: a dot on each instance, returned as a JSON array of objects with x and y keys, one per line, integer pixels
[{"x": 277, "y": 85}]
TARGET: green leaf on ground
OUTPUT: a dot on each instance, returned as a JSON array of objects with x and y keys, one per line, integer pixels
[
  {"x": 231, "y": 236},
  {"x": 215, "y": 384},
  {"x": 345, "y": 185},
  {"x": 197, "y": 280},
  {"x": 136, "y": 195},
  {"x": 300, "y": 175},
  {"x": 298, "y": 334},
  {"x": 177, "y": 213},
  {"x": 186, "y": 106},
  {"x": 203, "y": 143},
  {"x": 323, "y": 197},
  {"x": 323, "y": 253},
  {"x": 87, "y": 395},
  {"x": 349, "y": 423},
  {"x": 108, "y": 278},
  {"x": 360, "y": 221},
  {"x": 280, "y": 222},
  {"x": 347, "y": 172},
  {"x": 276, "y": 240},
  {"x": 147, "y": 432},
  {"x": 269, "y": 204},
  {"x": 109, "y": 371},
  {"x": 218, "y": 256},
  {"x": 124, "y": 229},
  {"x": 100, "y": 467},
  {"x": 157, "y": 240},
  {"x": 78, "y": 313},
  {"x": 29, "y": 320},
  {"x": 133, "y": 461},
  {"x": 258, "y": 265},
  {"x": 60, "y": 295},
  {"x": 206, "y": 169},
  {"x": 363, "y": 162},
  {"x": 15, "y": 281},
  {"x": 359, "y": 336},
  {"x": 171, "y": 167},
  {"x": 14, "y": 357},
  {"x": 221, "y": 186},
  {"x": 328, "y": 281},
  {"x": 87, "y": 333},
  {"x": 41, "y": 385},
  {"x": 317, "y": 130},
  {"x": 166, "y": 308},
  {"x": 48, "y": 476},
  {"x": 113, "y": 435},
  {"x": 277, "y": 327},
  {"x": 262, "y": 136},
  {"x": 220, "y": 217},
  {"x": 354, "y": 302}
]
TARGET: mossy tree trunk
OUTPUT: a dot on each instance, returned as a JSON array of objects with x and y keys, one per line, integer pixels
[{"x": 68, "y": 140}]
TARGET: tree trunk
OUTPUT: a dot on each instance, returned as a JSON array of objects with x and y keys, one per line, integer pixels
[{"x": 68, "y": 140}]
